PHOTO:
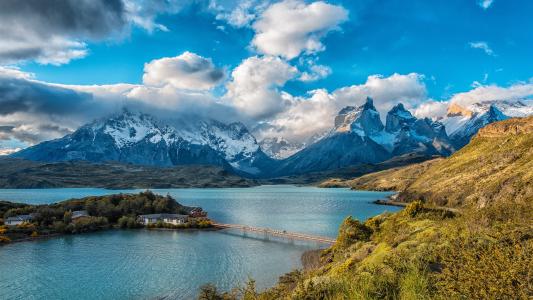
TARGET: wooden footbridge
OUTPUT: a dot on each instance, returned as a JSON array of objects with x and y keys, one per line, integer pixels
[{"x": 277, "y": 233}]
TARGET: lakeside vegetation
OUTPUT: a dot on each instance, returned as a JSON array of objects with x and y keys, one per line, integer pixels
[
  {"x": 484, "y": 251},
  {"x": 417, "y": 253},
  {"x": 104, "y": 212}
]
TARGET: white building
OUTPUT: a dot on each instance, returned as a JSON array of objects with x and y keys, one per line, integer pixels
[
  {"x": 17, "y": 220},
  {"x": 174, "y": 219},
  {"x": 79, "y": 214}
]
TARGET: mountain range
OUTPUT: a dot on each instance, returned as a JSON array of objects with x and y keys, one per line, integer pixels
[
  {"x": 495, "y": 166},
  {"x": 138, "y": 138},
  {"x": 358, "y": 136}
]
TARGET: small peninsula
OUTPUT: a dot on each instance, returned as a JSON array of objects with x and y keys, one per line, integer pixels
[{"x": 144, "y": 210}]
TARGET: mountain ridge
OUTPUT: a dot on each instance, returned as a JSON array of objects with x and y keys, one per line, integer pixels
[
  {"x": 495, "y": 166},
  {"x": 358, "y": 136}
]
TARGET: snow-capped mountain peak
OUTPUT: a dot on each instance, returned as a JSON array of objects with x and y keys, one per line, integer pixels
[
  {"x": 364, "y": 120},
  {"x": 469, "y": 126},
  {"x": 129, "y": 128},
  {"x": 234, "y": 139},
  {"x": 134, "y": 137},
  {"x": 458, "y": 115},
  {"x": 398, "y": 117}
]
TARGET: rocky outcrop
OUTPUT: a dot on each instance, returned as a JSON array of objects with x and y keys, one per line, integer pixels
[{"x": 515, "y": 126}]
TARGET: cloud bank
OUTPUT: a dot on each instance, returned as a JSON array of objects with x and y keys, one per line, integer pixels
[
  {"x": 32, "y": 111},
  {"x": 254, "y": 88},
  {"x": 54, "y": 34}
]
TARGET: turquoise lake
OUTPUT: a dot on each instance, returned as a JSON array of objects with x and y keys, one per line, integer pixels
[{"x": 141, "y": 264}]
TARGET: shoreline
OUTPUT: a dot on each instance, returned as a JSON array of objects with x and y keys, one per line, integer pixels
[
  {"x": 390, "y": 201},
  {"x": 55, "y": 235}
]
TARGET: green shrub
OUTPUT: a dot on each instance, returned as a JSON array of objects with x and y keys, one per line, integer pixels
[
  {"x": 351, "y": 231},
  {"x": 128, "y": 222},
  {"x": 88, "y": 224},
  {"x": 210, "y": 292},
  {"x": 414, "y": 208},
  {"x": 488, "y": 267},
  {"x": 59, "y": 226}
]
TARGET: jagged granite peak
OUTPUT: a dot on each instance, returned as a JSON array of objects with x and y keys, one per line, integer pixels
[
  {"x": 359, "y": 137},
  {"x": 456, "y": 110},
  {"x": 369, "y": 104},
  {"x": 397, "y": 118},
  {"x": 345, "y": 117},
  {"x": 363, "y": 120}
]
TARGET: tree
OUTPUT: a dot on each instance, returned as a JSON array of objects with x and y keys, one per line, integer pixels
[{"x": 67, "y": 217}]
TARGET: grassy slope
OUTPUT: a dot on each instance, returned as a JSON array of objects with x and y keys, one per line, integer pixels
[
  {"x": 396, "y": 179},
  {"x": 485, "y": 252},
  {"x": 497, "y": 165},
  {"x": 419, "y": 254}
]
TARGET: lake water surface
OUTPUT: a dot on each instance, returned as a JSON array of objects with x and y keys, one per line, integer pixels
[{"x": 140, "y": 264}]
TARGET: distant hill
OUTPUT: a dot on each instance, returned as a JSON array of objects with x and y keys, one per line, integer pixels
[
  {"x": 18, "y": 173},
  {"x": 497, "y": 165},
  {"x": 395, "y": 179}
]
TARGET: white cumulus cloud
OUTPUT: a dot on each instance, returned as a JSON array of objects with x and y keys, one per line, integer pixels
[
  {"x": 291, "y": 27},
  {"x": 254, "y": 87},
  {"x": 238, "y": 13},
  {"x": 307, "y": 116},
  {"x": 187, "y": 71},
  {"x": 315, "y": 72},
  {"x": 431, "y": 109}
]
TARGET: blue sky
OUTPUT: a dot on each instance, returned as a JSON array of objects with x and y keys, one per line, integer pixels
[
  {"x": 381, "y": 37},
  {"x": 282, "y": 67}
]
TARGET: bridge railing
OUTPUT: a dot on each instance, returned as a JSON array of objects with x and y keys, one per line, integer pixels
[{"x": 277, "y": 232}]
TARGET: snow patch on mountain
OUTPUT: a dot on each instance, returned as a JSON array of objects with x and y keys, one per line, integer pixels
[
  {"x": 459, "y": 118},
  {"x": 233, "y": 140},
  {"x": 280, "y": 148}
]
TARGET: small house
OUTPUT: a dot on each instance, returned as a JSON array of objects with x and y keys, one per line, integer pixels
[
  {"x": 17, "y": 220},
  {"x": 197, "y": 212},
  {"x": 79, "y": 214},
  {"x": 174, "y": 219}
]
